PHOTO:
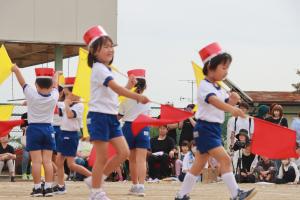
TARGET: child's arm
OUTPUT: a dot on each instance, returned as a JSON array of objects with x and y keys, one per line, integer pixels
[
  {"x": 234, "y": 98},
  {"x": 15, "y": 69},
  {"x": 122, "y": 91},
  {"x": 55, "y": 78},
  {"x": 131, "y": 82},
  {"x": 70, "y": 114},
  {"x": 215, "y": 101}
]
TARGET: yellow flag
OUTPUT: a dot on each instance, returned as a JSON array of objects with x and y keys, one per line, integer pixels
[
  {"x": 5, "y": 65},
  {"x": 61, "y": 80},
  {"x": 5, "y": 112}
]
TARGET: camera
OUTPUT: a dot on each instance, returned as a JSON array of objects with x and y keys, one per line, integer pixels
[{"x": 239, "y": 145}]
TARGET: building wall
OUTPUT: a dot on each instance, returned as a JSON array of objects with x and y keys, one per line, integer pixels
[{"x": 55, "y": 21}]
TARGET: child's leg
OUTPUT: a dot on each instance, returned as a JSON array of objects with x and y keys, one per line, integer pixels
[
  {"x": 119, "y": 172},
  {"x": 178, "y": 165},
  {"x": 60, "y": 169},
  {"x": 191, "y": 176},
  {"x": 101, "y": 159},
  {"x": 11, "y": 167},
  {"x": 141, "y": 155},
  {"x": 121, "y": 146},
  {"x": 1, "y": 165},
  {"x": 36, "y": 158},
  {"x": 132, "y": 167},
  {"x": 77, "y": 168},
  {"x": 223, "y": 158},
  {"x": 47, "y": 163}
]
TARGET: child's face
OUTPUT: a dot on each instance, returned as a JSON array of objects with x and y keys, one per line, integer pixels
[
  {"x": 105, "y": 54},
  {"x": 163, "y": 131},
  {"x": 285, "y": 162},
  {"x": 276, "y": 113},
  {"x": 221, "y": 72},
  {"x": 185, "y": 149}
]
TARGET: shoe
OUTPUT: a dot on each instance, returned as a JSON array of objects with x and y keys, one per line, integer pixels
[
  {"x": 133, "y": 190},
  {"x": 36, "y": 192},
  {"x": 59, "y": 190},
  {"x": 98, "y": 196},
  {"x": 48, "y": 192},
  {"x": 30, "y": 177},
  {"x": 88, "y": 182},
  {"x": 185, "y": 197},
  {"x": 140, "y": 191},
  {"x": 24, "y": 177},
  {"x": 245, "y": 195},
  {"x": 12, "y": 179}
]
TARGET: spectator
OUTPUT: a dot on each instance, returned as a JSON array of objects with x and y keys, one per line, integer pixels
[
  {"x": 7, "y": 157},
  {"x": 184, "y": 148},
  {"x": 245, "y": 165},
  {"x": 288, "y": 172},
  {"x": 296, "y": 126},
  {"x": 262, "y": 112},
  {"x": 265, "y": 170},
  {"x": 162, "y": 150},
  {"x": 235, "y": 124},
  {"x": 26, "y": 168},
  {"x": 187, "y": 126}
]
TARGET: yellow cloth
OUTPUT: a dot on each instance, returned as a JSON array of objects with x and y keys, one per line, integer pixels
[
  {"x": 5, "y": 64},
  {"x": 5, "y": 112}
]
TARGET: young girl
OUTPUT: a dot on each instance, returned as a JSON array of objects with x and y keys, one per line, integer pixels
[
  {"x": 288, "y": 172},
  {"x": 138, "y": 145},
  {"x": 212, "y": 102},
  {"x": 184, "y": 149},
  {"x": 40, "y": 141},
  {"x": 102, "y": 119},
  {"x": 71, "y": 113}
]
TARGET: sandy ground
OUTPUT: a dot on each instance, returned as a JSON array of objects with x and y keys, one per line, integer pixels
[{"x": 156, "y": 191}]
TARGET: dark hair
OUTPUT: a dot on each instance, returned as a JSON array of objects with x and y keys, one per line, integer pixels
[
  {"x": 97, "y": 44},
  {"x": 185, "y": 143},
  {"x": 140, "y": 85},
  {"x": 244, "y": 105},
  {"x": 215, "y": 61},
  {"x": 60, "y": 89},
  {"x": 278, "y": 108},
  {"x": 44, "y": 83}
]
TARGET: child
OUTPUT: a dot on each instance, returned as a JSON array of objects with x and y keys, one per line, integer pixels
[
  {"x": 212, "y": 102},
  {"x": 7, "y": 156},
  {"x": 40, "y": 142},
  {"x": 72, "y": 112},
  {"x": 288, "y": 172},
  {"x": 138, "y": 145},
  {"x": 102, "y": 119},
  {"x": 184, "y": 148}
]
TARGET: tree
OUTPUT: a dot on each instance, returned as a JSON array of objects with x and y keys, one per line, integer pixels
[{"x": 297, "y": 85}]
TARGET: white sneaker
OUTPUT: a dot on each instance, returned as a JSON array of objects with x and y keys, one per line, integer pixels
[
  {"x": 140, "y": 191},
  {"x": 98, "y": 196},
  {"x": 133, "y": 190},
  {"x": 88, "y": 182}
]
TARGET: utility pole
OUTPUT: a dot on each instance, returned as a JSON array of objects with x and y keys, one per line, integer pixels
[{"x": 192, "y": 82}]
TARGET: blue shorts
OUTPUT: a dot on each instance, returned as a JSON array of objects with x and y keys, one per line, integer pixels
[
  {"x": 142, "y": 140},
  {"x": 40, "y": 136},
  {"x": 68, "y": 143},
  {"x": 103, "y": 126},
  {"x": 57, "y": 136},
  {"x": 207, "y": 135}
]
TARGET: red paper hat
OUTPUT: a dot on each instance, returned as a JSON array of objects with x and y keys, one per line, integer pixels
[
  {"x": 93, "y": 34},
  {"x": 69, "y": 81},
  {"x": 210, "y": 51},
  {"x": 137, "y": 73},
  {"x": 44, "y": 72}
]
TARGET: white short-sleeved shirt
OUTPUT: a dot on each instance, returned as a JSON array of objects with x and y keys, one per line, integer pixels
[
  {"x": 56, "y": 117},
  {"x": 188, "y": 161},
  {"x": 40, "y": 107},
  {"x": 73, "y": 124},
  {"x": 130, "y": 109},
  {"x": 205, "y": 110},
  {"x": 240, "y": 123},
  {"x": 103, "y": 99}
]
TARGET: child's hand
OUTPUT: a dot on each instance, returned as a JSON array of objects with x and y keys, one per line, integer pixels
[
  {"x": 234, "y": 97},
  {"x": 131, "y": 82},
  {"x": 59, "y": 72},
  {"x": 14, "y": 68},
  {"x": 143, "y": 99},
  {"x": 236, "y": 112}
]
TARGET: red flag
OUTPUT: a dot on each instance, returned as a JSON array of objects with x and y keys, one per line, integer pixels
[
  {"x": 273, "y": 141},
  {"x": 92, "y": 158},
  {"x": 6, "y": 126},
  {"x": 168, "y": 115}
]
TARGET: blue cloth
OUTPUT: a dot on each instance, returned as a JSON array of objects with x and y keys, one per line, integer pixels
[
  {"x": 207, "y": 135},
  {"x": 68, "y": 143},
  {"x": 296, "y": 126},
  {"x": 142, "y": 140},
  {"x": 103, "y": 126},
  {"x": 57, "y": 136},
  {"x": 40, "y": 136}
]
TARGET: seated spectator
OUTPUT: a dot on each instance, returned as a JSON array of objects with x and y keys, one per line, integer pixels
[
  {"x": 265, "y": 170},
  {"x": 184, "y": 148},
  {"x": 245, "y": 165},
  {"x": 162, "y": 150},
  {"x": 288, "y": 172},
  {"x": 7, "y": 157},
  {"x": 83, "y": 152},
  {"x": 188, "y": 160}
]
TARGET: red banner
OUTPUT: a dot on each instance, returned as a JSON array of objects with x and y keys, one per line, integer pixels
[
  {"x": 6, "y": 126},
  {"x": 92, "y": 158}
]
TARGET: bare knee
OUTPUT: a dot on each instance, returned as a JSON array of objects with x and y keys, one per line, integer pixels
[
  {"x": 124, "y": 154},
  {"x": 225, "y": 162}
]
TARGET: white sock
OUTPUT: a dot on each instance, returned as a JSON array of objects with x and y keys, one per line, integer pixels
[
  {"x": 61, "y": 186},
  {"x": 140, "y": 186},
  {"x": 37, "y": 186},
  {"x": 187, "y": 185},
  {"x": 231, "y": 184},
  {"x": 48, "y": 185},
  {"x": 94, "y": 190}
]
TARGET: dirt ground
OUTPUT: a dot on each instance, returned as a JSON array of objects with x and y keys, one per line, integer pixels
[{"x": 157, "y": 191}]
